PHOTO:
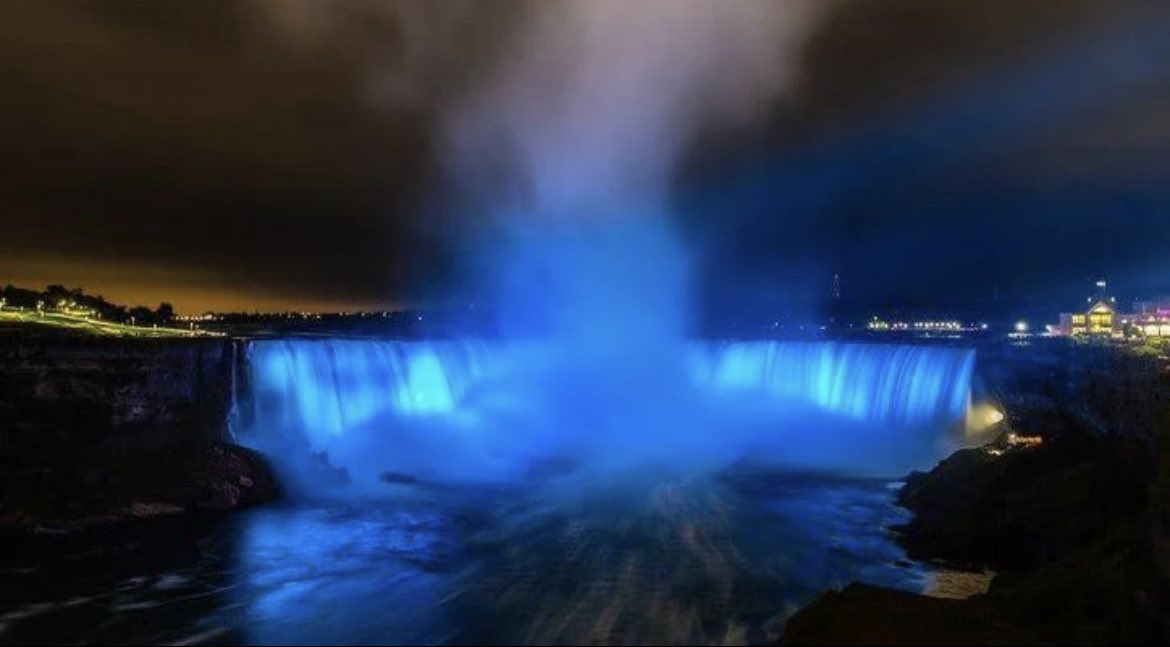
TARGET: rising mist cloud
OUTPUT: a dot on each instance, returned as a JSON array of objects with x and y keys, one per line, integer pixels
[{"x": 593, "y": 102}]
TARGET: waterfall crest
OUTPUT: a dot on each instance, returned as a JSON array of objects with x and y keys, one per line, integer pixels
[
  {"x": 900, "y": 384},
  {"x": 466, "y": 408}
]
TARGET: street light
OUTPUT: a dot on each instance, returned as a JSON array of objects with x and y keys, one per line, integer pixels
[{"x": 1021, "y": 327}]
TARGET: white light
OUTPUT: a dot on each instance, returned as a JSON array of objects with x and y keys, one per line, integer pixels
[{"x": 1021, "y": 326}]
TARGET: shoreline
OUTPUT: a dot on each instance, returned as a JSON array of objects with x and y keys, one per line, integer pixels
[{"x": 1074, "y": 525}]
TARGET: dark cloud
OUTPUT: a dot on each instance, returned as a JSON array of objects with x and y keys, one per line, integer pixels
[
  {"x": 283, "y": 153},
  {"x": 995, "y": 173},
  {"x": 160, "y": 136}
]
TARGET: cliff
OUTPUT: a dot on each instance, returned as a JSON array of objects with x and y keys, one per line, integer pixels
[
  {"x": 97, "y": 427},
  {"x": 1077, "y": 526}
]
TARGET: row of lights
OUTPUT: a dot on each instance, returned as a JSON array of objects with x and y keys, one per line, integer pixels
[
  {"x": 877, "y": 324},
  {"x": 297, "y": 315}
]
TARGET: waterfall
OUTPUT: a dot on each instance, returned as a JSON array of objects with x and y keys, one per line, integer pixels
[
  {"x": 234, "y": 351},
  {"x": 898, "y": 384},
  {"x": 328, "y": 385},
  {"x": 466, "y": 408}
]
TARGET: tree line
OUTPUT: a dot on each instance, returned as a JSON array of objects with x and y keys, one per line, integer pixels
[{"x": 54, "y": 296}]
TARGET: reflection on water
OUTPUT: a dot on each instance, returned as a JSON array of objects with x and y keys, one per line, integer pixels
[{"x": 705, "y": 562}]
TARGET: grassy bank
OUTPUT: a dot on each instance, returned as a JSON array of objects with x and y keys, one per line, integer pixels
[{"x": 32, "y": 322}]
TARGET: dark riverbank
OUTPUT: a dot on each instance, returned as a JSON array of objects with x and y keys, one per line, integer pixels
[
  {"x": 1077, "y": 527},
  {"x": 96, "y": 428}
]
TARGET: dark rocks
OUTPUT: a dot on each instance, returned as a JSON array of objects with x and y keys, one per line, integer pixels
[
  {"x": 122, "y": 393},
  {"x": 143, "y": 510},
  {"x": 99, "y": 429},
  {"x": 980, "y": 510},
  {"x": 220, "y": 495},
  {"x": 232, "y": 477},
  {"x": 1078, "y": 527},
  {"x": 200, "y": 477},
  {"x": 869, "y": 615}
]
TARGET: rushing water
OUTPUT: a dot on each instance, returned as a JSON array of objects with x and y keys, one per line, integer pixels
[
  {"x": 446, "y": 492},
  {"x": 891, "y": 384},
  {"x": 469, "y": 410},
  {"x": 333, "y": 384},
  {"x": 689, "y": 563}
]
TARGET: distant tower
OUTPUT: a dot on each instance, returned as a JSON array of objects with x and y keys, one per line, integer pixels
[{"x": 836, "y": 287}]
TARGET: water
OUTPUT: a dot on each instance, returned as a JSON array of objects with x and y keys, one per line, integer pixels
[
  {"x": 464, "y": 492},
  {"x": 890, "y": 384},
  {"x": 468, "y": 410},
  {"x": 718, "y": 561},
  {"x": 332, "y": 384}
]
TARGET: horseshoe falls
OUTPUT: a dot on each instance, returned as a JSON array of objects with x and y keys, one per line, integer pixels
[{"x": 465, "y": 410}]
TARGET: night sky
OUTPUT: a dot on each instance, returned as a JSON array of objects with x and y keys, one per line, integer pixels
[{"x": 948, "y": 155}]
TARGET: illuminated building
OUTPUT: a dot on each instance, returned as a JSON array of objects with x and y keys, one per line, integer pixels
[
  {"x": 1101, "y": 319},
  {"x": 1151, "y": 317}
]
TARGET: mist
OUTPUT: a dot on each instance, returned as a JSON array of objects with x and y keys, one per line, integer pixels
[
  {"x": 563, "y": 156},
  {"x": 568, "y": 148}
]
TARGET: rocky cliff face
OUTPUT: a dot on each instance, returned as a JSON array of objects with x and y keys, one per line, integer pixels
[
  {"x": 97, "y": 426},
  {"x": 130, "y": 392},
  {"x": 1076, "y": 526}
]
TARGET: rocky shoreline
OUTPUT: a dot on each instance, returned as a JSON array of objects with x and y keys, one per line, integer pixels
[
  {"x": 215, "y": 476},
  {"x": 1075, "y": 522}
]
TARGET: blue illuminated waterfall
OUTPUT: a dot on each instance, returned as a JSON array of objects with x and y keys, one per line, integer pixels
[
  {"x": 462, "y": 408},
  {"x": 898, "y": 384},
  {"x": 328, "y": 386}
]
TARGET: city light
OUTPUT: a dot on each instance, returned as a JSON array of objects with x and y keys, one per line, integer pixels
[
  {"x": 1021, "y": 327},
  {"x": 926, "y": 326}
]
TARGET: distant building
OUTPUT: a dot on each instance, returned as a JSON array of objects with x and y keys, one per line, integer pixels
[
  {"x": 1099, "y": 319},
  {"x": 1150, "y": 318},
  {"x": 1159, "y": 306}
]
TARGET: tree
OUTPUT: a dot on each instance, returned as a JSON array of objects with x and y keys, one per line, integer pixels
[
  {"x": 141, "y": 316},
  {"x": 165, "y": 313},
  {"x": 20, "y": 298}
]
